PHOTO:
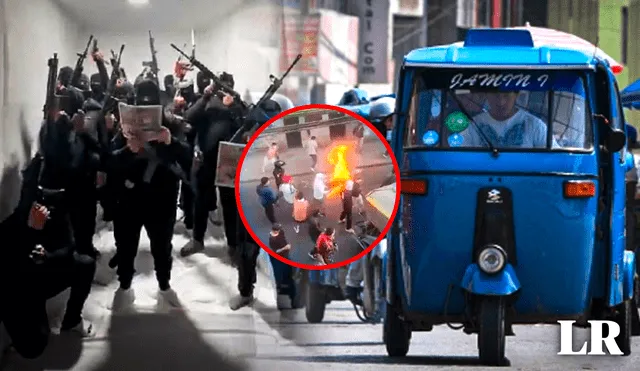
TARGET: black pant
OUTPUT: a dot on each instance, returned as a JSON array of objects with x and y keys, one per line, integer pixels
[
  {"x": 82, "y": 214},
  {"x": 314, "y": 160},
  {"x": 23, "y": 310},
  {"x": 247, "y": 258},
  {"x": 200, "y": 220},
  {"x": 205, "y": 199},
  {"x": 229, "y": 213},
  {"x": 347, "y": 213},
  {"x": 187, "y": 200},
  {"x": 283, "y": 273},
  {"x": 271, "y": 213},
  {"x": 158, "y": 221}
]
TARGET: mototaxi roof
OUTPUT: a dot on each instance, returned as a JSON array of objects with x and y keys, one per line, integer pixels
[{"x": 501, "y": 48}]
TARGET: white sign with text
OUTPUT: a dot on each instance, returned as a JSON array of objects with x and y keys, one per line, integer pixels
[
  {"x": 373, "y": 55},
  {"x": 597, "y": 340}
]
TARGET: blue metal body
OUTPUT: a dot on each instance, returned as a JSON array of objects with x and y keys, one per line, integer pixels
[
  {"x": 562, "y": 265},
  {"x": 500, "y": 284}
]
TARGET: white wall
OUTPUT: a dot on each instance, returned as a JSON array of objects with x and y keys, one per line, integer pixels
[
  {"x": 32, "y": 31},
  {"x": 238, "y": 44}
]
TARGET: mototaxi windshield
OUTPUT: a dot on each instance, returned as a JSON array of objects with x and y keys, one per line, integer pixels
[{"x": 518, "y": 110}]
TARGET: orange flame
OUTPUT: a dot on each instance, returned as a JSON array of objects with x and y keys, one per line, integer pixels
[{"x": 338, "y": 158}]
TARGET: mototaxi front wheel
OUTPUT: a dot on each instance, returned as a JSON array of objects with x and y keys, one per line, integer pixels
[
  {"x": 316, "y": 303},
  {"x": 396, "y": 333},
  {"x": 492, "y": 334}
]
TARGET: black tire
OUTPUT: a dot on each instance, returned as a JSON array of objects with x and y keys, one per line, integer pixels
[
  {"x": 623, "y": 319},
  {"x": 316, "y": 303},
  {"x": 492, "y": 335},
  {"x": 395, "y": 334}
]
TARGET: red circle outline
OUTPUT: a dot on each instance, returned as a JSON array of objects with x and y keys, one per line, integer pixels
[{"x": 266, "y": 248}]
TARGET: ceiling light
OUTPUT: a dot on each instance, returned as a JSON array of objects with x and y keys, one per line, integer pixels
[{"x": 138, "y": 2}]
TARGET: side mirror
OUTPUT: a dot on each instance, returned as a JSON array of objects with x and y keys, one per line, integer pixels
[{"x": 615, "y": 141}]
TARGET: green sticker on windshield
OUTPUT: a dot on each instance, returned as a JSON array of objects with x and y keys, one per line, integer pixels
[{"x": 456, "y": 122}]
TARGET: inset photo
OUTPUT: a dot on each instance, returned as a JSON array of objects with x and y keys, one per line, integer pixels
[{"x": 316, "y": 186}]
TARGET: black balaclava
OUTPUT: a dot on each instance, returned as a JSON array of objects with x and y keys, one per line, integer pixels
[
  {"x": 64, "y": 75},
  {"x": 186, "y": 91},
  {"x": 147, "y": 93},
  {"x": 202, "y": 81},
  {"x": 96, "y": 84},
  {"x": 169, "y": 85},
  {"x": 84, "y": 83},
  {"x": 227, "y": 79}
]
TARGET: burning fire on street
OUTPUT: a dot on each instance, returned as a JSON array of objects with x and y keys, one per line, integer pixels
[{"x": 339, "y": 157}]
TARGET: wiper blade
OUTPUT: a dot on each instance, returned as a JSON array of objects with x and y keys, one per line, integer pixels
[{"x": 483, "y": 135}]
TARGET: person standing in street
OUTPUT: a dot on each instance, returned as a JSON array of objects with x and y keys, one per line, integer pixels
[
  {"x": 283, "y": 272},
  {"x": 268, "y": 198},
  {"x": 319, "y": 192},
  {"x": 347, "y": 207},
  {"x": 300, "y": 210},
  {"x": 312, "y": 151},
  {"x": 270, "y": 157}
]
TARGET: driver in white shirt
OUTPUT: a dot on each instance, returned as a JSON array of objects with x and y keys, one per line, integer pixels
[{"x": 506, "y": 126}]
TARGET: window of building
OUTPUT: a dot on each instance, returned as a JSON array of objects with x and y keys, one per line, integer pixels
[
  {"x": 484, "y": 13},
  {"x": 624, "y": 31}
]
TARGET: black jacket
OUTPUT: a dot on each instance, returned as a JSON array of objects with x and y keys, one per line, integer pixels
[{"x": 130, "y": 166}]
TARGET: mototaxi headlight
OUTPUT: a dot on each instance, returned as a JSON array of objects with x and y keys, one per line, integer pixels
[{"x": 491, "y": 260}]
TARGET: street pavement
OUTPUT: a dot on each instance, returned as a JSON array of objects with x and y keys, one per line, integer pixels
[
  {"x": 298, "y": 161},
  {"x": 207, "y": 335},
  {"x": 301, "y": 242},
  {"x": 204, "y": 335},
  {"x": 342, "y": 342}
]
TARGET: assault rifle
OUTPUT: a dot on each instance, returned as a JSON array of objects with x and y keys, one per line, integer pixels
[
  {"x": 52, "y": 81},
  {"x": 111, "y": 86},
  {"x": 77, "y": 71},
  {"x": 220, "y": 85},
  {"x": 153, "y": 63}
]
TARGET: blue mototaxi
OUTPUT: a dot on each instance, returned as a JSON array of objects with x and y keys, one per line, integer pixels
[{"x": 512, "y": 159}]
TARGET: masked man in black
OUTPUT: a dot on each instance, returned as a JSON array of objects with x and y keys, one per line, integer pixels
[
  {"x": 214, "y": 118},
  {"x": 44, "y": 260},
  {"x": 184, "y": 100},
  {"x": 147, "y": 196},
  {"x": 248, "y": 250},
  {"x": 166, "y": 96}
]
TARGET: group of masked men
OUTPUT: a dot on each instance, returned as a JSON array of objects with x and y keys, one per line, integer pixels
[{"x": 85, "y": 159}]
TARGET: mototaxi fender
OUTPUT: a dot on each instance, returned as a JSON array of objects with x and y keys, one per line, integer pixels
[
  {"x": 629, "y": 273},
  {"x": 502, "y": 283}
]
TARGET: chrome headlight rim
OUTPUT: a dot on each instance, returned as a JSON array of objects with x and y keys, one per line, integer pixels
[{"x": 492, "y": 251}]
